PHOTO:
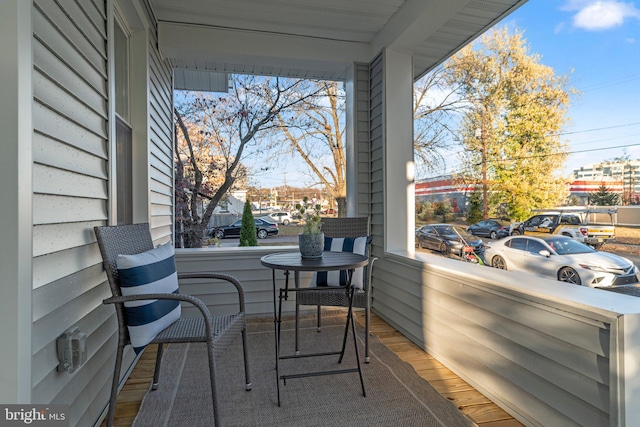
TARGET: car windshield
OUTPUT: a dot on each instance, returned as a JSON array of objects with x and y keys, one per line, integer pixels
[
  {"x": 566, "y": 246},
  {"x": 448, "y": 230}
]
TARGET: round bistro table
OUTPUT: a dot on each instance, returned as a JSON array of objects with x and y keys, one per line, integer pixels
[{"x": 330, "y": 261}]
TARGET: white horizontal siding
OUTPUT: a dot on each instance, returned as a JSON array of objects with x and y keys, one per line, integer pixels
[
  {"x": 57, "y": 71},
  {"x": 54, "y": 181},
  {"x": 54, "y": 20},
  {"x": 60, "y": 128},
  {"x": 70, "y": 113},
  {"x": 54, "y": 266},
  {"x": 65, "y": 104},
  {"x": 161, "y": 144},
  {"x": 50, "y": 238},
  {"x": 244, "y": 265},
  {"x": 162, "y": 177},
  {"x": 63, "y": 156},
  {"x": 362, "y": 149},
  {"x": 546, "y": 359},
  {"x": 48, "y": 209},
  {"x": 76, "y": 61},
  {"x": 375, "y": 156}
]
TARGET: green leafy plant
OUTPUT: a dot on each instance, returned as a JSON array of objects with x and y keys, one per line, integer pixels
[
  {"x": 310, "y": 213},
  {"x": 248, "y": 230}
]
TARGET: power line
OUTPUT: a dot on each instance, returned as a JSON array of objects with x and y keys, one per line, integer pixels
[
  {"x": 594, "y": 130},
  {"x": 543, "y": 155},
  {"x": 605, "y": 139},
  {"x": 574, "y": 152},
  {"x": 611, "y": 83}
]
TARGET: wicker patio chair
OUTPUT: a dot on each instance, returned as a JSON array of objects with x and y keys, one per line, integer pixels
[
  {"x": 217, "y": 331},
  {"x": 341, "y": 227}
]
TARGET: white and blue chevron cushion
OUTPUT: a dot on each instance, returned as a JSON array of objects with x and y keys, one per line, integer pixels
[
  {"x": 149, "y": 272},
  {"x": 358, "y": 245}
]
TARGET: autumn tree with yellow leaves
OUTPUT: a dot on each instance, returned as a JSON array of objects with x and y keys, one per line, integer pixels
[
  {"x": 518, "y": 108},
  {"x": 512, "y": 110}
]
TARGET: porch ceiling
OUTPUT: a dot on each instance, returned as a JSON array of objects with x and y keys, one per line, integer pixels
[{"x": 317, "y": 39}]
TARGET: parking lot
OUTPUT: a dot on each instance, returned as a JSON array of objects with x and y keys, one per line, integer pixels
[{"x": 288, "y": 235}]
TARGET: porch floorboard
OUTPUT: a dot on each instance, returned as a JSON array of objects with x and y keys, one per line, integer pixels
[{"x": 471, "y": 402}]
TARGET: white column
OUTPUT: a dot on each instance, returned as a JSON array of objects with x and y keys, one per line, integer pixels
[
  {"x": 399, "y": 206},
  {"x": 16, "y": 95},
  {"x": 350, "y": 139}
]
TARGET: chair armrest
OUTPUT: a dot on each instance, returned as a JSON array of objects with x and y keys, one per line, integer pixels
[{"x": 219, "y": 276}]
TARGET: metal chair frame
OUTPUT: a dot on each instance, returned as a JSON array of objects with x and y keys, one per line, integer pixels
[
  {"x": 218, "y": 332},
  {"x": 341, "y": 227}
]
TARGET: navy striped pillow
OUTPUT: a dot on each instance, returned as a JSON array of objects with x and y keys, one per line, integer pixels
[
  {"x": 358, "y": 245},
  {"x": 149, "y": 272}
]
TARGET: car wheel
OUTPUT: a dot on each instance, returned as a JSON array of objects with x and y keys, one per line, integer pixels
[
  {"x": 498, "y": 262},
  {"x": 218, "y": 234},
  {"x": 493, "y": 235},
  {"x": 443, "y": 248},
  {"x": 262, "y": 234},
  {"x": 285, "y": 222},
  {"x": 515, "y": 233},
  {"x": 569, "y": 275}
]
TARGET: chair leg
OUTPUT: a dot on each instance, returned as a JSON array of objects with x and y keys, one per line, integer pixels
[
  {"x": 247, "y": 374},
  {"x": 297, "y": 327},
  {"x": 214, "y": 389},
  {"x": 156, "y": 373},
  {"x": 367, "y": 320},
  {"x": 319, "y": 318},
  {"x": 114, "y": 386}
]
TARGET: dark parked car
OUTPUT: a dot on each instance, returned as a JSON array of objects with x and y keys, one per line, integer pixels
[
  {"x": 492, "y": 228},
  {"x": 263, "y": 229},
  {"x": 446, "y": 238}
]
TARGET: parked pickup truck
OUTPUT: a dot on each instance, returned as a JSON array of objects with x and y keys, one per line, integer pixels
[{"x": 573, "y": 223}]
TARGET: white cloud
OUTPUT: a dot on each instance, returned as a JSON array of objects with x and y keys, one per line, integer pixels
[
  {"x": 601, "y": 15},
  {"x": 559, "y": 28}
]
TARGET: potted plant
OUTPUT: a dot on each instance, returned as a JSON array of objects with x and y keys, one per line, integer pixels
[{"x": 311, "y": 240}]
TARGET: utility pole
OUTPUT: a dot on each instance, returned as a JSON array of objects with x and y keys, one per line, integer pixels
[
  {"x": 480, "y": 135},
  {"x": 260, "y": 196}
]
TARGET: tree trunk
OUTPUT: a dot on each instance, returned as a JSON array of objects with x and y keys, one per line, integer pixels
[
  {"x": 192, "y": 235},
  {"x": 342, "y": 206}
]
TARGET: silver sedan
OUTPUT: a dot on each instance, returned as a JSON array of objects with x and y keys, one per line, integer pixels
[{"x": 561, "y": 258}]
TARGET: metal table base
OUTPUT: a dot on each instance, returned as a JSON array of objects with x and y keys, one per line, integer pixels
[{"x": 346, "y": 261}]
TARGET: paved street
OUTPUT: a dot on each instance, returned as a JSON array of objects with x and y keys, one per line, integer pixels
[{"x": 293, "y": 240}]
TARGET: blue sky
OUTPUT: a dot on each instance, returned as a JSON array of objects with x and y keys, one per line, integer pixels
[{"x": 598, "y": 44}]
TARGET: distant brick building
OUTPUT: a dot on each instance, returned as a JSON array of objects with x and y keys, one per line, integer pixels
[
  {"x": 447, "y": 188},
  {"x": 581, "y": 189}
]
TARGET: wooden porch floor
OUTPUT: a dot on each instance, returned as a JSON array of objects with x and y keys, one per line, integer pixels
[{"x": 472, "y": 403}]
